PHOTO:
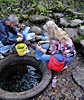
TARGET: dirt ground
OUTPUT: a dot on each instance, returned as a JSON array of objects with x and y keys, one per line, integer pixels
[{"x": 66, "y": 88}]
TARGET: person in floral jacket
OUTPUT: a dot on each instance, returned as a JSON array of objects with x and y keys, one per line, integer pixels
[{"x": 59, "y": 44}]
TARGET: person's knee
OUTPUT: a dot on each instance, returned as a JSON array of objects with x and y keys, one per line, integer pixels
[
  {"x": 45, "y": 46},
  {"x": 45, "y": 58},
  {"x": 59, "y": 57}
]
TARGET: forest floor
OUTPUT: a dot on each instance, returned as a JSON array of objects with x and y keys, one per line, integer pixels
[{"x": 66, "y": 88}]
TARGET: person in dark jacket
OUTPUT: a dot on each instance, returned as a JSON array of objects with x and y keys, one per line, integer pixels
[{"x": 9, "y": 35}]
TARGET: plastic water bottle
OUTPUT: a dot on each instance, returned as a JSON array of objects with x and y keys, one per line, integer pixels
[
  {"x": 54, "y": 81},
  {"x": 25, "y": 32},
  {"x": 28, "y": 48},
  {"x": 44, "y": 37}
]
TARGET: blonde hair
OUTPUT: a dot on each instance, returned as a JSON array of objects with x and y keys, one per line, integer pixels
[{"x": 55, "y": 31}]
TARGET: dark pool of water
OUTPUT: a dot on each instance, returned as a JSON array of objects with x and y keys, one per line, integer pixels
[{"x": 22, "y": 82}]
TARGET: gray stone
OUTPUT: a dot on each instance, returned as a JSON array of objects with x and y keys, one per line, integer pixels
[
  {"x": 81, "y": 30},
  {"x": 79, "y": 14},
  {"x": 78, "y": 76},
  {"x": 76, "y": 22},
  {"x": 82, "y": 47},
  {"x": 36, "y": 29},
  {"x": 82, "y": 42},
  {"x": 38, "y": 19},
  {"x": 73, "y": 32},
  {"x": 58, "y": 15},
  {"x": 64, "y": 22}
]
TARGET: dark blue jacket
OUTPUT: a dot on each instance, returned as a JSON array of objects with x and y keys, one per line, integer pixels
[{"x": 4, "y": 36}]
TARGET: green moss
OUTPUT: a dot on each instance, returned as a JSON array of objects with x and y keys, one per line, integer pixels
[
  {"x": 80, "y": 37},
  {"x": 41, "y": 7}
]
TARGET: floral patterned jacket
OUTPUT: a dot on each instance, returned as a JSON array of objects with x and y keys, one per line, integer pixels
[{"x": 58, "y": 47}]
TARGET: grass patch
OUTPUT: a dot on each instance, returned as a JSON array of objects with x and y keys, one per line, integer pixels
[{"x": 80, "y": 37}]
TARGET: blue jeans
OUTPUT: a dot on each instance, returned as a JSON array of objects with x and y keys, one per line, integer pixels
[
  {"x": 4, "y": 49},
  {"x": 39, "y": 54},
  {"x": 58, "y": 56},
  {"x": 45, "y": 57}
]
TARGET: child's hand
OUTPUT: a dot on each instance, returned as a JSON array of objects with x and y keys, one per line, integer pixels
[{"x": 38, "y": 46}]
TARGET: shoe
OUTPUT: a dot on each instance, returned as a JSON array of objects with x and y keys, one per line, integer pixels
[
  {"x": 65, "y": 67},
  {"x": 1, "y": 56}
]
